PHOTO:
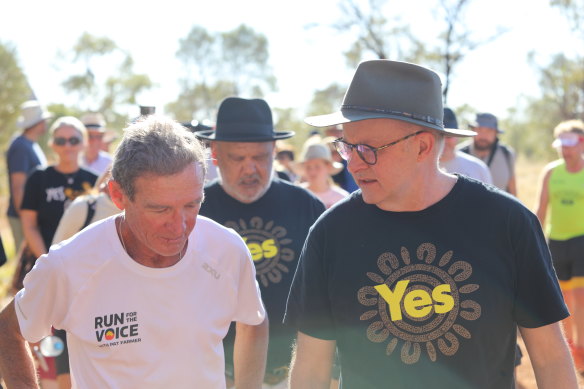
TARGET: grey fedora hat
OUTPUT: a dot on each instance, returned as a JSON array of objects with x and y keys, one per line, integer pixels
[
  {"x": 243, "y": 120},
  {"x": 384, "y": 89}
]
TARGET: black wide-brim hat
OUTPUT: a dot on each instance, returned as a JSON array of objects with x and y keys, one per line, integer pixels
[
  {"x": 384, "y": 89},
  {"x": 244, "y": 120}
]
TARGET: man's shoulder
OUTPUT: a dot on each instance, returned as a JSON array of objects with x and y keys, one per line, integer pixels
[
  {"x": 470, "y": 159},
  {"x": 213, "y": 230},
  {"x": 86, "y": 247},
  {"x": 506, "y": 149}
]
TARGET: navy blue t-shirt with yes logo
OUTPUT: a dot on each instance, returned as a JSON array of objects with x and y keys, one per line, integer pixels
[
  {"x": 274, "y": 228},
  {"x": 426, "y": 299}
]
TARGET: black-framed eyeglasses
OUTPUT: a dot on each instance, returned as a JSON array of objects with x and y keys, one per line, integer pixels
[
  {"x": 368, "y": 154},
  {"x": 62, "y": 141}
]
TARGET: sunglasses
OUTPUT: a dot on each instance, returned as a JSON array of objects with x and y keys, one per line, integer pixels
[
  {"x": 60, "y": 141},
  {"x": 367, "y": 153}
]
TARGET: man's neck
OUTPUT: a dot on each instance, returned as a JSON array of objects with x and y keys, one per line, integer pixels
[{"x": 426, "y": 191}]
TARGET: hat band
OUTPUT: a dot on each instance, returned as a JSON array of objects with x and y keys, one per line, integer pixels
[{"x": 424, "y": 118}]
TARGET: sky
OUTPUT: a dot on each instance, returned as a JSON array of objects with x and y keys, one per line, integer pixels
[{"x": 306, "y": 54}]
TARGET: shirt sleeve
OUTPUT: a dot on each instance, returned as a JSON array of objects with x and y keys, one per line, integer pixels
[
  {"x": 32, "y": 191},
  {"x": 17, "y": 160},
  {"x": 250, "y": 308},
  {"x": 538, "y": 299},
  {"x": 42, "y": 302},
  {"x": 309, "y": 307}
]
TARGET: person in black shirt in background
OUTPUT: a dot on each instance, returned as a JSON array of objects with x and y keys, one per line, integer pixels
[{"x": 271, "y": 215}]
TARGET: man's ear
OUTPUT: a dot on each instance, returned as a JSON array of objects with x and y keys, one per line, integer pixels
[
  {"x": 427, "y": 143},
  {"x": 214, "y": 153},
  {"x": 117, "y": 195}
]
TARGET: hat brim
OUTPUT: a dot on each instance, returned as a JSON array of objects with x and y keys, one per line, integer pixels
[
  {"x": 212, "y": 136},
  {"x": 349, "y": 116},
  {"x": 24, "y": 124},
  {"x": 475, "y": 125}
]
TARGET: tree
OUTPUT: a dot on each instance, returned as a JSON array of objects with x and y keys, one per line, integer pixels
[
  {"x": 374, "y": 33},
  {"x": 105, "y": 93},
  {"x": 530, "y": 130},
  {"x": 574, "y": 11},
  {"x": 326, "y": 100},
  {"x": 218, "y": 65},
  {"x": 14, "y": 90},
  {"x": 390, "y": 39}
]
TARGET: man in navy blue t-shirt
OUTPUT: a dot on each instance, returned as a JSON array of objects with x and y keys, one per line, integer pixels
[
  {"x": 420, "y": 278},
  {"x": 271, "y": 215},
  {"x": 23, "y": 155}
]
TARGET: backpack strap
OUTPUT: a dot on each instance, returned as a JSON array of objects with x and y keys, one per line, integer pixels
[{"x": 91, "y": 205}]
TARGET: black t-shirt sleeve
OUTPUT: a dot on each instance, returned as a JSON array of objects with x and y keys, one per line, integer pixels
[
  {"x": 32, "y": 190},
  {"x": 538, "y": 299},
  {"x": 309, "y": 307}
]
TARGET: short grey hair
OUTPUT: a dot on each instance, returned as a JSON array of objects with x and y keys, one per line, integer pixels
[
  {"x": 154, "y": 145},
  {"x": 69, "y": 121}
]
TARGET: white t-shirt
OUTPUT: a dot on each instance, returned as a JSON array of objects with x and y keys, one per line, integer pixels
[
  {"x": 101, "y": 163},
  {"x": 130, "y": 325},
  {"x": 468, "y": 165}
]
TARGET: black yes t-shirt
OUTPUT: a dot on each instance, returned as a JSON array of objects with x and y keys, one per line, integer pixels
[
  {"x": 274, "y": 229},
  {"x": 427, "y": 299},
  {"x": 49, "y": 192}
]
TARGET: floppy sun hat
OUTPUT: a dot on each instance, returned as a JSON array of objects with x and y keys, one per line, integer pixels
[
  {"x": 384, "y": 89},
  {"x": 94, "y": 121},
  {"x": 320, "y": 151},
  {"x": 244, "y": 120},
  {"x": 32, "y": 113}
]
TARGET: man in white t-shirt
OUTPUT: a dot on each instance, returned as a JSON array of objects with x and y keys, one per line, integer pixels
[
  {"x": 455, "y": 161},
  {"x": 146, "y": 296}
]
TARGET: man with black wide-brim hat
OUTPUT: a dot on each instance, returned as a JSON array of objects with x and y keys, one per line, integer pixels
[
  {"x": 271, "y": 215},
  {"x": 402, "y": 277}
]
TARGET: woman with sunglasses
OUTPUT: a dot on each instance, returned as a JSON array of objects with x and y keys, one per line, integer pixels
[
  {"x": 48, "y": 191},
  {"x": 562, "y": 194}
]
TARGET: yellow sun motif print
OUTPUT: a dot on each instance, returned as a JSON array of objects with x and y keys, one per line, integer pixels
[
  {"x": 420, "y": 304},
  {"x": 266, "y": 243}
]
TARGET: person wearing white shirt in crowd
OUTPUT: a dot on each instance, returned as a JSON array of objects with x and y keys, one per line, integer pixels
[
  {"x": 94, "y": 157},
  {"x": 455, "y": 161}
]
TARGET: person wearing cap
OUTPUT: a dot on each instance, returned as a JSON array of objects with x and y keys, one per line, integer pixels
[
  {"x": 271, "y": 215},
  {"x": 487, "y": 147},
  {"x": 94, "y": 158},
  {"x": 401, "y": 277},
  {"x": 317, "y": 164},
  {"x": 456, "y": 161},
  {"x": 23, "y": 155},
  {"x": 562, "y": 194},
  {"x": 145, "y": 296}
]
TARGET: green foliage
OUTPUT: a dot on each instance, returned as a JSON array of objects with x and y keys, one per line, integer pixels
[
  {"x": 218, "y": 65},
  {"x": 101, "y": 91},
  {"x": 530, "y": 131},
  {"x": 326, "y": 100},
  {"x": 574, "y": 11},
  {"x": 14, "y": 90},
  {"x": 287, "y": 119}
]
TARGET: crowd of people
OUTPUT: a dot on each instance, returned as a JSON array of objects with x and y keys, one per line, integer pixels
[{"x": 384, "y": 253}]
